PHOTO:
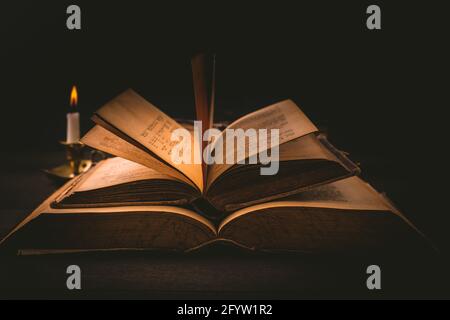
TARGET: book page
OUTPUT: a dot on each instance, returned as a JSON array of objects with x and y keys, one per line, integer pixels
[
  {"x": 203, "y": 76},
  {"x": 165, "y": 228},
  {"x": 285, "y": 116},
  {"x": 43, "y": 206},
  {"x": 115, "y": 171},
  {"x": 306, "y": 147},
  {"x": 150, "y": 127},
  {"x": 347, "y": 194},
  {"x": 134, "y": 209},
  {"x": 113, "y": 229},
  {"x": 348, "y": 215},
  {"x": 103, "y": 140}
]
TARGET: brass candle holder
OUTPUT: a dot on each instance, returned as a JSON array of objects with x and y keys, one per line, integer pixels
[{"x": 76, "y": 161}]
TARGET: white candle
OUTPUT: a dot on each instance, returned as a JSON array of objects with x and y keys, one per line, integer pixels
[
  {"x": 73, "y": 119},
  {"x": 73, "y": 127}
]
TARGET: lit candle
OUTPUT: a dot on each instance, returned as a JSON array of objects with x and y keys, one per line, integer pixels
[{"x": 73, "y": 119}]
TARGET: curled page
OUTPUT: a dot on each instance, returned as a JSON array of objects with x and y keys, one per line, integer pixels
[
  {"x": 145, "y": 124},
  {"x": 103, "y": 140},
  {"x": 285, "y": 116}
]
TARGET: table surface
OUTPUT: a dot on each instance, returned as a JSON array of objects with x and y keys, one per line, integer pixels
[{"x": 213, "y": 273}]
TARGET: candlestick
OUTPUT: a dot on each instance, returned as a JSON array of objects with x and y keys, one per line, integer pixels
[{"x": 76, "y": 161}]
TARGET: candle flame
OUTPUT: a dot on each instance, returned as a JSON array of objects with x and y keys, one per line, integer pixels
[{"x": 74, "y": 97}]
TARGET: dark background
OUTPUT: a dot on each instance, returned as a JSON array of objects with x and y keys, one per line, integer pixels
[{"x": 381, "y": 95}]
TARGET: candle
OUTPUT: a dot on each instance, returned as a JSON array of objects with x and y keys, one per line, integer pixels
[
  {"x": 73, "y": 119},
  {"x": 73, "y": 127}
]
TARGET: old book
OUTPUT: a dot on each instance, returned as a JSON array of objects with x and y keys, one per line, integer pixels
[
  {"x": 343, "y": 216},
  {"x": 132, "y": 128}
]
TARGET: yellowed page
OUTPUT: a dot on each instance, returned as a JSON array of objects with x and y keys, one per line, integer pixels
[
  {"x": 103, "y": 140},
  {"x": 114, "y": 171},
  {"x": 146, "y": 124},
  {"x": 43, "y": 206},
  {"x": 306, "y": 147},
  {"x": 348, "y": 194},
  {"x": 133, "y": 209},
  {"x": 285, "y": 116}
]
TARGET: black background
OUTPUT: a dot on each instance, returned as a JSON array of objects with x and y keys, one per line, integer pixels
[{"x": 381, "y": 94}]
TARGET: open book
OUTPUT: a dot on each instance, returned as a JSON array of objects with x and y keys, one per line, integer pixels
[
  {"x": 343, "y": 216},
  {"x": 145, "y": 199},
  {"x": 132, "y": 128}
]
